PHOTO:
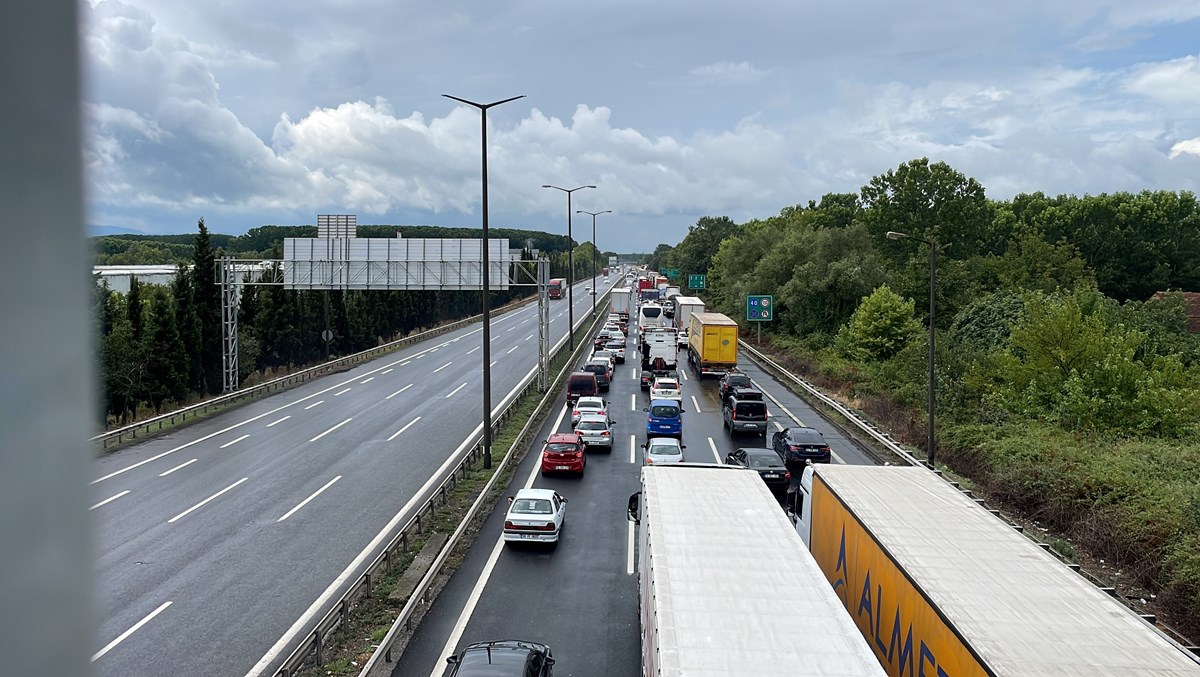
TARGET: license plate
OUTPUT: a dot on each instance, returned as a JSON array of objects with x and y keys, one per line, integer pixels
[
  {"x": 528, "y": 535},
  {"x": 751, "y": 425},
  {"x": 562, "y": 467},
  {"x": 771, "y": 476}
]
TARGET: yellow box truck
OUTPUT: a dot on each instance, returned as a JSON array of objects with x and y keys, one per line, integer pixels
[{"x": 712, "y": 343}]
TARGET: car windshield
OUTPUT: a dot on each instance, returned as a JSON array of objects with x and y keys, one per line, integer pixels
[
  {"x": 532, "y": 506},
  {"x": 664, "y": 411},
  {"x": 560, "y": 447},
  {"x": 764, "y": 461},
  {"x": 592, "y": 425},
  {"x": 651, "y": 311}
]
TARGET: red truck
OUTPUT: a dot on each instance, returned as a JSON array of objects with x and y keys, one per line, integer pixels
[{"x": 557, "y": 285}]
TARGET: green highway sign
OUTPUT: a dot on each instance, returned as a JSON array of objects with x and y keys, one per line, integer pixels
[
  {"x": 760, "y": 308},
  {"x": 695, "y": 282},
  {"x": 671, "y": 272}
]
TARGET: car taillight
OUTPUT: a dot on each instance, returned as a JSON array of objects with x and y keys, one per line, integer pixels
[
  {"x": 509, "y": 525},
  {"x": 792, "y": 447},
  {"x": 826, "y": 450},
  {"x": 733, "y": 414},
  {"x": 579, "y": 454},
  {"x": 649, "y": 461},
  {"x": 575, "y": 413},
  {"x": 605, "y": 433},
  {"x": 549, "y": 526},
  {"x": 787, "y": 475}
]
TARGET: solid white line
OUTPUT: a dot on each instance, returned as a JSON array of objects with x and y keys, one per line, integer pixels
[
  {"x": 510, "y": 350},
  {"x": 367, "y": 380},
  {"x": 696, "y": 404},
  {"x": 332, "y": 429},
  {"x": 629, "y": 549},
  {"x": 529, "y": 337},
  {"x": 632, "y": 448},
  {"x": 683, "y": 374},
  {"x": 388, "y": 371},
  {"x": 398, "y": 391},
  {"x": 125, "y": 635},
  {"x": 202, "y": 503},
  {"x": 110, "y": 499},
  {"x": 233, "y": 442},
  {"x": 305, "y": 501},
  {"x": 397, "y": 433},
  {"x": 633, "y": 374},
  {"x": 455, "y": 391},
  {"x": 632, "y": 401},
  {"x": 341, "y": 392},
  {"x": 494, "y": 362},
  {"x": 713, "y": 445},
  {"x": 181, "y": 465},
  {"x": 477, "y": 592},
  {"x": 279, "y": 421},
  {"x": 314, "y": 404},
  {"x": 442, "y": 367},
  {"x": 473, "y": 350},
  {"x": 795, "y": 418}
]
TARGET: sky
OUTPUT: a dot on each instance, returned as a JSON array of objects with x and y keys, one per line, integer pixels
[{"x": 268, "y": 112}]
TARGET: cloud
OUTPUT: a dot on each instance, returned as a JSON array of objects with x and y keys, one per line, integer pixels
[
  {"x": 727, "y": 73},
  {"x": 1191, "y": 146},
  {"x": 1176, "y": 81}
]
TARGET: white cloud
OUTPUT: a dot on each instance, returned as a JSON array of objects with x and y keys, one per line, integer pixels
[
  {"x": 1174, "y": 81},
  {"x": 1191, "y": 146},
  {"x": 727, "y": 73}
]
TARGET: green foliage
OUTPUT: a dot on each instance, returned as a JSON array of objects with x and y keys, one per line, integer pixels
[
  {"x": 1030, "y": 262},
  {"x": 985, "y": 324},
  {"x": 694, "y": 254},
  {"x": 880, "y": 328}
]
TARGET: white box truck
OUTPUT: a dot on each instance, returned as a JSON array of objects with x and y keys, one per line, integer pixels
[
  {"x": 622, "y": 300},
  {"x": 726, "y": 586},
  {"x": 684, "y": 307}
]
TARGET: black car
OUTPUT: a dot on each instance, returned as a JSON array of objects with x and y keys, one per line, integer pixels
[
  {"x": 767, "y": 463},
  {"x": 799, "y": 444},
  {"x": 601, "y": 370},
  {"x": 731, "y": 380},
  {"x": 504, "y": 658}
]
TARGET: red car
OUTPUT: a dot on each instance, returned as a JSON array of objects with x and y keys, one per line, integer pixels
[{"x": 564, "y": 452}]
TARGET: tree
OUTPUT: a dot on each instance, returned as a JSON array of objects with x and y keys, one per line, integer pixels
[
  {"x": 133, "y": 306},
  {"x": 694, "y": 254},
  {"x": 207, "y": 297},
  {"x": 880, "y": 328},
  {"x": 166, "y": 378},
  {"x": 189, "y": 327}
]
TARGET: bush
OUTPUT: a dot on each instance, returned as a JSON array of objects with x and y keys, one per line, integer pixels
[{"x": 881, "y": 326}]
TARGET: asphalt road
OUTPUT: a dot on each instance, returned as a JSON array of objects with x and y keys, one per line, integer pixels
[
  {"x": 581, "y": 598},
  {"x": 213, "y": 542}
]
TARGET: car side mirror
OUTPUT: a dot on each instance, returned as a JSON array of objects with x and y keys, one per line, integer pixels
[
  {"x": 645, "y": 409},
  {"x": 683, "y": 446},
  {"x": 452, "y": 660},
  {"x": 634, "y": 505},
  {"x": 564, "y": 499},
  {"x": 683, "y": 411},
  {"x": 549, "y": 661},
  {"x": 510, "y": 500},
  {"x": 646, "y": 445}
]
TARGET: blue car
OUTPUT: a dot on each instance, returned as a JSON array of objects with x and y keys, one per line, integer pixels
[{"x": 664, "y": 418}]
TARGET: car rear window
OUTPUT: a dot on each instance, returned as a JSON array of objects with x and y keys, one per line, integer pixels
[
  {"x": 805, "y": 436},
  {"x": 580, "y": 385},
  {"x": 664, "y": 411},
  {"x": 751, "y": 409},
  {"x": 737, "y": 381},
  {"x": 533, "y": 506},
  {"x": 592, "y": 425},
  {"x": 651, "y": 312},
  {"x": 559, "y": 448},
  {"x": 664, "y": 450},
  {"x": 764, "y": 461}
]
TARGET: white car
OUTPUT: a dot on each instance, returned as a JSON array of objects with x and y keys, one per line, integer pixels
[
  {"x": 665, "y": 388},
  {"x": 617, "y": 349},
  {"x": 595, "y": 430},
  {"x": 663, "y": 451},
  {"x": 682, "y": 339},
  {"x": 605, "y": 353},
  {"x": 588, "y": 405},
  {"x": 535, "y": 516}
]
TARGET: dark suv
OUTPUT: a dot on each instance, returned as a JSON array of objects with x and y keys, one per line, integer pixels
[
  {"x": 745, "y": 413},
  {"x": 731, "y": 380},
  {"x": 600, "y": 368},
  {"x": 505, "y": 658},
  {"x": 800, "y": 444}
]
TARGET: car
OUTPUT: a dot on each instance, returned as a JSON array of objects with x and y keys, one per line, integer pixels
[
  {"x": 588, "y": 405},
  {"x": 602, "y": 369},
  {"x": 503, "y": 658},
  {"x": 535, "y": 516},
  {"x": 612, "y": 325},
  {"x": 606, "y": 354},
  {"x": 664, "y": 418},
  {"x": 768, "y": 464},
  {"x": 665, "y": 388},
  {"x": 617, "y": 348},
  {"x": 563, "y": 452},
  {"x": 663, "y": 451},
  {"x": 596, "y": 431},
  {"x": 603, "y": 337},
  {"x": 681, "y": 339},
  {"x": 731, "y": 380},
  {"x": 745, "y": 414},
  {"x": 581, "y": 384},
  {"x": 798, "y": 444}
]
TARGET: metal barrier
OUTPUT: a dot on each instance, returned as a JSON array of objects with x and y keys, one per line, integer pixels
[
  {"x": 155, "y": 424},
  {"x": 313, "y": 647}
]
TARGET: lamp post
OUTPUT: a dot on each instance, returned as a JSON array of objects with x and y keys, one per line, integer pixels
[
  {"x": 485, "y": 271},
  {"x": 570, "y": 266},
  {"x": 893, "y": 235},
  {"x": 594, "y": 252}
]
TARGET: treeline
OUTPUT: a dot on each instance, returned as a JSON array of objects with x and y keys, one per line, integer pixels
[{"x": 1065, "y": 386}]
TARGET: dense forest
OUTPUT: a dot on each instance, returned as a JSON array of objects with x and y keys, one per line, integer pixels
[
  {"x": 1068, "y": 387},
  {"x": 160, "y": 346}
]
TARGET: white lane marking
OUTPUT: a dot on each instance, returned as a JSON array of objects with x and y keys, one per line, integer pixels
[
  {"x": 398, "y": 391},
  {"x": 397, "y": 433},
  {"x": 108, "y": 500},
  {"x": 529, "y": 337},
  {"x": 181, "y": 465},
  {"x": 512, "y": 328},
  {"x": 279, "y": 420},
  {"x": 367, "y": 380},
  {"x": 477, "y": 591},
  {"x": 318, "y": 402},
  {"x": 713, "y": 445},
  {"x": 442, "y": 367},
  {"x": 473, "y": 350},
  {"x": 388, "y": 371},
  {"x": 494, "y": 362},
  {"x": 633, "y": 374},
  {"x": 341, "y": 392},
  {"x": 510, "y": 350},
  {"x": 405, "y": 364},
  {"x": 332, "y": 429},
  {"x": 792, "y": 416},
  {"x": 233, "y": 442},
  {"x": 683, "y": 375},
  {"x": 434, "y": 350},
  {"x": 305, "y": 501},
  {"x": 455, "y": 391},
  {"x": 201, "y": 504},
  {"x": 632, "y": 448},
  {"x": 420, "y": 356},
  {"x": 629, "y": 549},
  {"x": 125, "y": 635},
  {"x": 632, "y": 401},
  {"x": 696, "y": 404}
]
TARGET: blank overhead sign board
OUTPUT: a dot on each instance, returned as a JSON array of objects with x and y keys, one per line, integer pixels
[{"x": 393, "y": 263}]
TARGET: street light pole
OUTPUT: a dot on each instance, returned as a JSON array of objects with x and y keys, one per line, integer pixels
[
  {"x": 485, "y": 270},
  {"x": 893, "y": 235},
  {"x": 570, "y": 266},
  {"x": 594, "y": 252}
]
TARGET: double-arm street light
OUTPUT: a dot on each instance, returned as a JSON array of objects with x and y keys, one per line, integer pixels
[
  {"x": 893, "y": 235},
  {"x": 570, "y": 266},
  {"x": 485, "y": 270},
  {"x": 594, "y": 252}
]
